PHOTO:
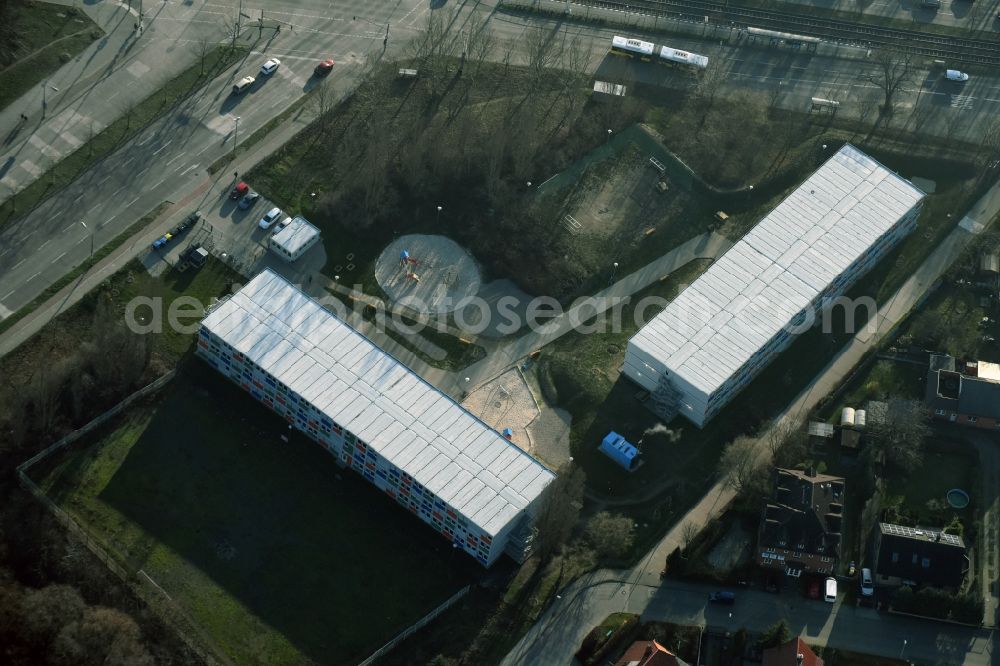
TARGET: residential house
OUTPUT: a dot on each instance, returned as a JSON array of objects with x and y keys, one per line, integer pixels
[
  {"x": 918, "y": 556},
  {"x": 969, "y": 395},
  {"x": 649, "y": 653},
  {"x": 800, "y": 526},
  {"x": 793, "y": 653}
]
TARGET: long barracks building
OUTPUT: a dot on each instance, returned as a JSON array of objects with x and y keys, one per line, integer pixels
[
  {"x": 376, "y": 416},
  {"x": 720, "y": 332}
]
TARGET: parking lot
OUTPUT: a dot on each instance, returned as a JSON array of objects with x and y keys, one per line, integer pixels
[{"x": 234, "y": 236}]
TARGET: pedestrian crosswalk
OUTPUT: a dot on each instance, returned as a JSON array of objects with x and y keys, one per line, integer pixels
[{"x": 961, "y": 101}]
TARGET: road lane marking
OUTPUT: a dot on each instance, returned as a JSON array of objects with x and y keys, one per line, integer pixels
[
  {"x": 193, "y": 166},
  {"x": 106, "y": 179},
  {"x": 17, "y": 264},
  {"x": 33, "y": 276},
  {"x": 159, "y": 183},
  {"x": 44, "y": 244},
  {"x": 9, "y": 293},
  {"x": 59, "y": 257},
  {"x": 158, "y": 150},
  {"x": 180, "y": 155},
  {"x": 132, "y": 202},
  {"x": 118, "y": 190}
]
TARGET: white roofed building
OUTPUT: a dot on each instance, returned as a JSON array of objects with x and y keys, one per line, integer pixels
[
  {"x": 720, "y": 332},
  {"x": 292, "y": 241},
  {"x": 376, "y": 416}
]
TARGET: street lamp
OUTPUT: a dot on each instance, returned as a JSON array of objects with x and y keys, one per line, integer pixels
[
  {"x": 91, "y": 237},
  {"x": 236, "y": 133},
  {"x": 902, "y": 649},
  {"x": 609, "y": 135},
  {"x": 614, "y": 271},
  {"x": 438, "y": 218}
]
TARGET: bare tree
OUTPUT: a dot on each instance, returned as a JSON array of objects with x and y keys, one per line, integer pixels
[
  {"x": 708, "y": 87},
  {"x": 610, "y": 535},
  {"x": 898, "y": 433},
  {"x": 688, "y": 533},
  {"x": 560, "y": 510},
  {"x": 204, "y": 47},
  {"x": 893, "y": 70},
  {"x": 322, "y": 99},
  {"x": 740, "y": 464}
]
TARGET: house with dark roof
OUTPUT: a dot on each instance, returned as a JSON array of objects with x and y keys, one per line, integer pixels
[
  {"x": 967, "y": 395},
  {"x": 800, "y": 525},
  {"x": 918, "y": 556},
  {"x": 793, "y": 653},
  {"x": 649, "y": 653}
]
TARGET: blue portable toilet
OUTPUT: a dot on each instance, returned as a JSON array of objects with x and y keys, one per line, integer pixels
[
  {"x": 615, "y": 447},
  {"x": 508, "y": 434}
]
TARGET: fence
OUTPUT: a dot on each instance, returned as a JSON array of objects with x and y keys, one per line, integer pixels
[
  {"x": 156, "y": 598},
  {"x": 409, "y": 631}
]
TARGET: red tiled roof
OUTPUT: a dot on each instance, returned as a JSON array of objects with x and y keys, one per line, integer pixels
[
  {"x": 649, "y": 653},
  {"x": 785, "y": 655}
]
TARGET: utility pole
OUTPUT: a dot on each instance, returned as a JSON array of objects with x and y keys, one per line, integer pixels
[
  {"x": 91, "y": 237},
  {"x": 236, "y": 134}
]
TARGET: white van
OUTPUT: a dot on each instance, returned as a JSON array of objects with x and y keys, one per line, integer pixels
[
  {"x": 831, "y": 590},
  {"x": 243, "y": 85},
  {"x": 955, "y": 75},
  {"x": 867, "y": 584}
]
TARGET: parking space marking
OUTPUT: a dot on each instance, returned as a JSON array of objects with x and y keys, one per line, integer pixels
[{"x": 160, "y": 149}]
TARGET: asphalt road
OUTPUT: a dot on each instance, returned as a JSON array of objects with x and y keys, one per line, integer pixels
[{"x": 171, "y": 155}]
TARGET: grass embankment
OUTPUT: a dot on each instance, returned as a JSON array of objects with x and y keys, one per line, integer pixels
[
  {"x": 114, "y": 136},
  {"x": 37, "y": 39},
  {"x": 279, "y": 554}
]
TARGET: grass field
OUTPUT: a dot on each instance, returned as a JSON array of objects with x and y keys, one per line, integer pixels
[
  {"x": 939, "y": 472},
  {"x": 276, "y": 552},
  {"x": 39, "y": 39}
]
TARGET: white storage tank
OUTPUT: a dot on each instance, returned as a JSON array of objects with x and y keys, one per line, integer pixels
[
  {"x": 847, "y": 417},
  {"x": 859, "y": 418}
]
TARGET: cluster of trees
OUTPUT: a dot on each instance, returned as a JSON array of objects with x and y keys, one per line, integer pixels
[
  {"x": 468, "y": 134},
  {"x": 55, "y": 625},
  {"x": 931, "y": 602},
  {"x": 70, "y": 389}
]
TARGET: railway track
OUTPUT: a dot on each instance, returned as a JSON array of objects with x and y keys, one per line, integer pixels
[{"x": 979, "y": 51}]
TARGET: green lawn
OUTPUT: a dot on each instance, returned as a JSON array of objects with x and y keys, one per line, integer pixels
[
  {"x": 939, "y": 472},
  {"x": 883, "y": 379},
  {"x": 38, "y": 39},
  {"x": 276, "y": 552}
]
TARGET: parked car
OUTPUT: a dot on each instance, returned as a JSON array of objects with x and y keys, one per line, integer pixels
[
  {"x": 270, "y": 66},
  {"x": 726, "y": 598},
  {"x": 188, "y": 222},
  {"x": 248, "y": 200},
  {"x": 243, "y": 85},
  {"x": 830, "y": 590},
  {"x": 323, "y": 68},
  {"x": 867, "y": 583},
  {"x": 284, "y": 223},
  {"x": 955, "y": 75},
  {"x": 270, "y": 218},
  {"x": 240, "y": 190}
]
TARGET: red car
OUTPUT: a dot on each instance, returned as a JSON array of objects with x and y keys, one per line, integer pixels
[
  {"x": 238, "y": 191},
  {"x": 323, "y": 68}
]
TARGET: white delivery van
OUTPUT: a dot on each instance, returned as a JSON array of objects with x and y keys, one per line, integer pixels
[
  {"x": 867, "y": 584},
  {"x": 831, "y": 590},
  {"x": 955, "y": 75}
]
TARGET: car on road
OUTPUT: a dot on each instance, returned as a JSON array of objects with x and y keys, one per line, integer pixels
[
  {"x": 955, "y": 75},
  {"x": 830, "y": 590},
  {"x": 240, "y": 190},
  {"x": 725, "y": 598},
  {"x": 248, "y": 200},
  {"x": 243, "y": 85},
  {"x": 323, "y": 68},
  {"x": 867, "y": 583},
  {"x": 270, "y": 66},
  {"x": 270, "y": 218}
]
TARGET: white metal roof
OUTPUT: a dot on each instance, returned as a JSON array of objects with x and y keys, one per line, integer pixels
[
  {"x": 781, "y": 266},
  {"x": 296, "y": 235},
  {"x": 415, "y": 426}
]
